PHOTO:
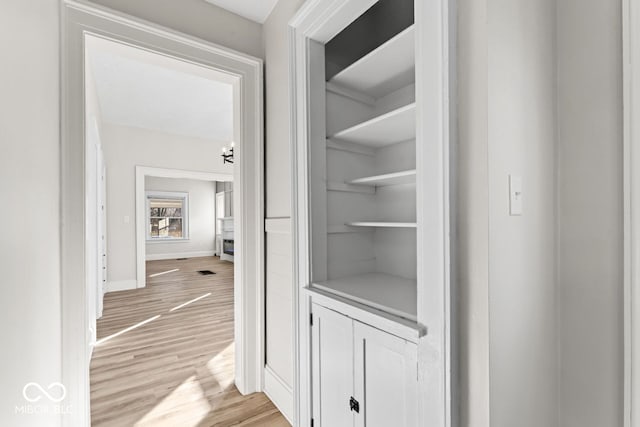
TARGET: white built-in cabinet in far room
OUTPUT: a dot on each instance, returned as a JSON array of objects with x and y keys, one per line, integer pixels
[
  {"x": 225, "y": 240},
  {"x": 372, "y": 212},
  {"x": 228, "y": 240}
]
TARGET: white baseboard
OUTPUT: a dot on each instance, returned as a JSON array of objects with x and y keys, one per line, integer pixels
[
  {"x": 279, "y": 392},
  {"x": 121, "y": 285},
  {"x": 158, "y": 257}
]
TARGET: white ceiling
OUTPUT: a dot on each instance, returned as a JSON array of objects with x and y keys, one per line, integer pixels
[
  {"x": 256, "y": 10},
  {"x": 150, "y": 91}
]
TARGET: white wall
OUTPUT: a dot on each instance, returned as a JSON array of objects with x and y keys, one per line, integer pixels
[
  {"x": 197, "y": 18},
  {"x": 30, "y": 171},
  {"x": 555, "y": 325},
  {"x": 124, "y": 148},
  {"x": 279, "y": 283},
  {"x": 29, "y": 188},
  {"x": 522, "y": 288},
  {"x": 201, "y": 218},
  {"x": 506, "y": 264},
  {"x": 590, "y": 212}
]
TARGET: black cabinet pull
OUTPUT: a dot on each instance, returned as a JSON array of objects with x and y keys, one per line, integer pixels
[{"x": 354, "y": 405}]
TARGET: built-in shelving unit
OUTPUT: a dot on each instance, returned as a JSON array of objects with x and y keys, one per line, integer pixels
[
  {"x": 368, "y": 192},
  {"x": 371, "y": 238}
]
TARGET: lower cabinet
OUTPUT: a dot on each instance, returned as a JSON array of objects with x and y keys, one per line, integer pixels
[{"x": 362, "y": 376}]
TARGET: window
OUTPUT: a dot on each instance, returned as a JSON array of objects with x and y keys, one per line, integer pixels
[{"x": 167, "y": 216}]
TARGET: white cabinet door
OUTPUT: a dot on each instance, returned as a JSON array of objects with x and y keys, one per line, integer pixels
[
  {"x": 385, "y": 378},
  {"x": 332, "y": 364}
]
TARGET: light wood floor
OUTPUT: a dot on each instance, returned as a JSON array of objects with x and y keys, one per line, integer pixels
[{"x": 175, "y": 370}]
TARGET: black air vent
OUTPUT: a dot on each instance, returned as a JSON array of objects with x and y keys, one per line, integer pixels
[{"x": 205, "y": 272}]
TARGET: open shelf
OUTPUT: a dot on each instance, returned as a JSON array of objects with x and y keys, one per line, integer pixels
[
  {"x": 390, "y": 128},
  {"x": 343, "y": 229},
  {"x": 395, "y": 178},
  {"x": 349, "y": 188},
  {"x": 387, "y": 68},
  {"x": 382, "y": 224},
  {"x": 385, "y": 292}
]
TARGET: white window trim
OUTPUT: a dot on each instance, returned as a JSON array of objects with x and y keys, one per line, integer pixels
[{"x": 184, "y": 196}]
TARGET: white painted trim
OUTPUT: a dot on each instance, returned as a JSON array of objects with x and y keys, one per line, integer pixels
[
  {"x": 278, "y": 225},
  {"x": 174, "y": 255},
  {"x": 320, "y": 20},
  {"x": 631, "y": 91},
  {"x": 82, "y": 17},
  {"x": 279, "y": 392},
  {"x": 120, "y": 285}
]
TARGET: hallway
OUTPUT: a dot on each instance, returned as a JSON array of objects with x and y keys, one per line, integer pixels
[{"x": 175, "y": 367}]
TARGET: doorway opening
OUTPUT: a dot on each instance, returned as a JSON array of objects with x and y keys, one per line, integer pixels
[
  {"x": 173, "y": 300},
  {"x": 81, "y": 23}
]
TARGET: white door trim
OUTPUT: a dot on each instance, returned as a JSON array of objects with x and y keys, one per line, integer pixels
[
  {"x": 77, "y": 19},
  {"x": 631, "y": 91}
]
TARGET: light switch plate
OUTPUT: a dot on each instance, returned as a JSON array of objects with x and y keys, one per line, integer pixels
[{"x": 515, "y": 195}]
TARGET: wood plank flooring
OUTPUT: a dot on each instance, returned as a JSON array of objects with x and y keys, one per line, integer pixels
[{"x": 176, "y": 367}]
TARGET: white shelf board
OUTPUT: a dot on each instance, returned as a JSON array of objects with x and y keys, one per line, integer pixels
[
  {"x": 385, "y": 292},
  {"x": 348, "y": 188},
  {"x": 387, "y": 68},
  {"x": 342, "y": 229},
  {"x": 382, "y": 224},
  {"x": 390, "y": 128},
  {"x": 395, "y": 178}
]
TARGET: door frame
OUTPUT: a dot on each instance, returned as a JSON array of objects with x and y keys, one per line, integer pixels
[
  {"x": 77, "y": 19},
  {"x": 141, "y": 211},
  {"x": 631, "y": 93}
]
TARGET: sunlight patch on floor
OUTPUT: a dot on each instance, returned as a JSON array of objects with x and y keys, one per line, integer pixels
[
  {"x": 164, "y": 272},
  {"x": 185, "y": 406},
  {"x": 189, "y": 302},
  {"x": 130, "y": 328},
  {"x": 219, "y": 366}
]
